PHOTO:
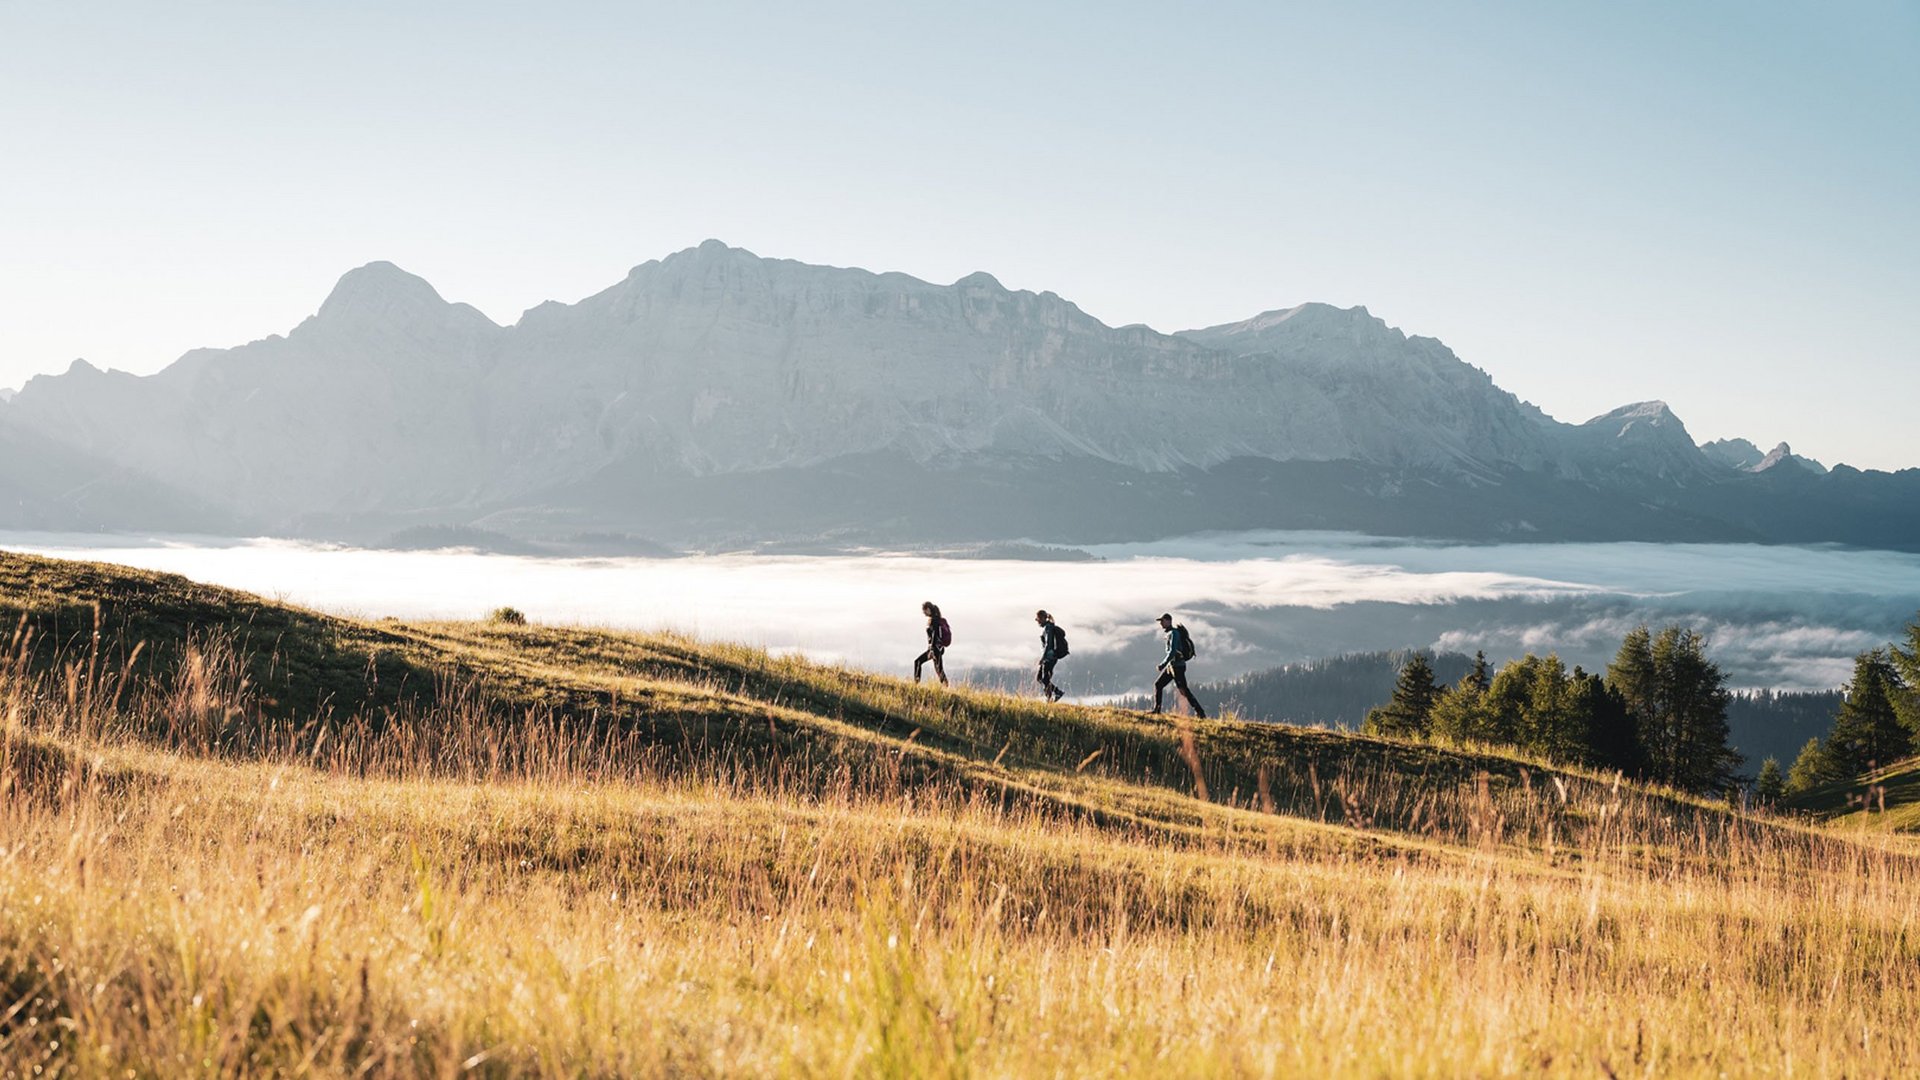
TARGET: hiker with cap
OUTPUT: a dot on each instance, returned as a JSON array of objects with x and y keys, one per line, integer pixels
[{"x": 1173, "y": 666}]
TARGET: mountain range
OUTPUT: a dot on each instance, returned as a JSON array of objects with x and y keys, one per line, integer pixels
[{"x": 716, "y": 397}]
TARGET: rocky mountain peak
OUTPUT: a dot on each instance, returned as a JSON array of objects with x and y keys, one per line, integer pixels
[
  {"x": 378, "y": 287},
  {"x": 1650, "y": 412},
  {"x": 1338, "y": 335},
  {"x": 1733, "y": 453},
  {"x": 1643, "y": 421},
  {"x": 1743, "y": 455},
  {"x": 1784, "y": 455},
  {"x": 980, "y": 280},
  {"x": 382, "y": 298},
  {"x": 706, "y": 254},
  {"x": 1647, "y": 437}
]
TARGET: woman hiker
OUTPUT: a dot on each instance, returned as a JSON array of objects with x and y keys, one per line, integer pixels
[
  {"x": 1053, "y": 646},
  {"x": 939, "y": 636}
]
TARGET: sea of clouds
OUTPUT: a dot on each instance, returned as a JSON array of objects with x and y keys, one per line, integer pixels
[{"x": 1776, "y": 616}]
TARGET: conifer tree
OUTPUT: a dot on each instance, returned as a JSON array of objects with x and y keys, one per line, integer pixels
[
  {"x": 1692, "y": 707},
  {"x": 1906, "y": 661},
  {"x": 1867, "y": 731},
  {"x": 1480, "y": 678},
  {"x": 1613, "y": 741},
  {"x": 1461, "y": 714},
  {"x": 1551, "y": 724},
  {"x": 1769, "y": 787},
  {"x": 1630, "y": 676},
  {"x": 1813, "y": 767},
  {"x": 1409, "y": 714},
  {"x": 1678, "y": 701},
  {"x": 1504, "y": 718}
]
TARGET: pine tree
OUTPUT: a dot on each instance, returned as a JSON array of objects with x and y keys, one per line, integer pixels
[
  {"x": 1769, "y": 787},
  {"x": 1549, "y": 724},
  {"x": 1480, "y": 678},
  {"x": 1812, "y": 768},
  {"x": 1462, "y": 715},
  {"x": 1631, "y": 678},
  {"x": 1409, "y": 714},
  {"x": 1504, "y": 718},
  {"x": 1691, "y": 705},
  {"x": 1906, "y": 661},
  {"x": 1613, "y": 741},
  {"x": 1906, "y": 657},
  {"x": 1867, "y": 731},
  {"x": 1678, "y": 701}
]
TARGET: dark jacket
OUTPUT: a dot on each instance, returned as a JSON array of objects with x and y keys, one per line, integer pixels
[
  {"x": 1050, "y": 636},
  {"x": 1172, "y": 659}
]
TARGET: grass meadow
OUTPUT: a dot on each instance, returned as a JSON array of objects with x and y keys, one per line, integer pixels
[{"x": 241, "y": 839}]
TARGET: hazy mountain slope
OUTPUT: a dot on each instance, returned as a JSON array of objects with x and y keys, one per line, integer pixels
[
  {"x": 1345, "y": 372},
  {"x": 370, "y": 403},
  {"x": 715, "y": 361},
  {"x": 47, "y": 485},
  {"x": 1744, "y": 455},
  {"x": 716, "y": 393}
]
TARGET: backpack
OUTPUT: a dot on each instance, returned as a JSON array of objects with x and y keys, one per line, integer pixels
[
  {"x": 1059, "y": 640},
  {"x": 944, "y": 635},
  {"x": 1183, "y": 648}
]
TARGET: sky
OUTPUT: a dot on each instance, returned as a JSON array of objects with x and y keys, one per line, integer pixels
[{"x": 1713, "y": 204}]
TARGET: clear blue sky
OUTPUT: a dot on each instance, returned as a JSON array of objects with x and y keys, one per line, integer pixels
[{"x": 1717, "y": 204}]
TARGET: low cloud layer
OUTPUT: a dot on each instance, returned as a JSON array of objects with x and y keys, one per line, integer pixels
[{"x": 1776, "y": 616}]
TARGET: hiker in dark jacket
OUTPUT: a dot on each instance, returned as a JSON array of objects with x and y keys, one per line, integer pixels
[
  {"x": 1053, "y": 646},
  {"x": 937, "y": 638},
  {"x": 1173, "y": 666}
]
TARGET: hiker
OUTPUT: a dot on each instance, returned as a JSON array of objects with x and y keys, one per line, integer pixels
[
  {"x": 939, "y": 636},
  {"x": 1053, "y": 646},
  {"x": 1173, "y": 667}
]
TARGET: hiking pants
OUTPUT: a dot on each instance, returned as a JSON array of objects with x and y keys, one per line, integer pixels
[
  {"x": 1177, "y": 675},
  {"x": 1045, "y": 677},
  {"x": 934, "y": 655}
]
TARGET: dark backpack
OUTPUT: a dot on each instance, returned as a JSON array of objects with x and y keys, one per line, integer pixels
[
  {"x": 1059, "y": 641},
  {"x": 944, "y": 635},
  {"x": 1183, "y": 644}
]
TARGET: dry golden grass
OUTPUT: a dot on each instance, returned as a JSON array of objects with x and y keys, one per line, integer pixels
[{"x": 879, "y": 886}]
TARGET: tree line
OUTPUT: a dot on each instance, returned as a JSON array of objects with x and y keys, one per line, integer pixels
[
  {"x": 1659, "y": 713},
  {"x": 1338, "y": 691},
  {"x": 1877, "y": 723}
]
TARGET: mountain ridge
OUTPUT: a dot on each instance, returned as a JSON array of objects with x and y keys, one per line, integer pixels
[{"x": 393, "y": 403}]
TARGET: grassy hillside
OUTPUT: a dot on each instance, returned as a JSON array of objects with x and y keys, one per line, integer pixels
[
  {"x": 1886, "y": 800},
  {"x": 241, "y": 837}
]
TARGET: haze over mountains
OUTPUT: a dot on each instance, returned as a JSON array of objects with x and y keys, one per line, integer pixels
[{"x": 715, "y": 396}]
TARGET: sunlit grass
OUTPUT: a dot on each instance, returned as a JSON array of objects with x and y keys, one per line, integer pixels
[{"x": 583, "y": 853}]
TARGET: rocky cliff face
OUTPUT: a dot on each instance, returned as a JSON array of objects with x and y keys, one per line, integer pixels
[{"x": 714, "y": 362}]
